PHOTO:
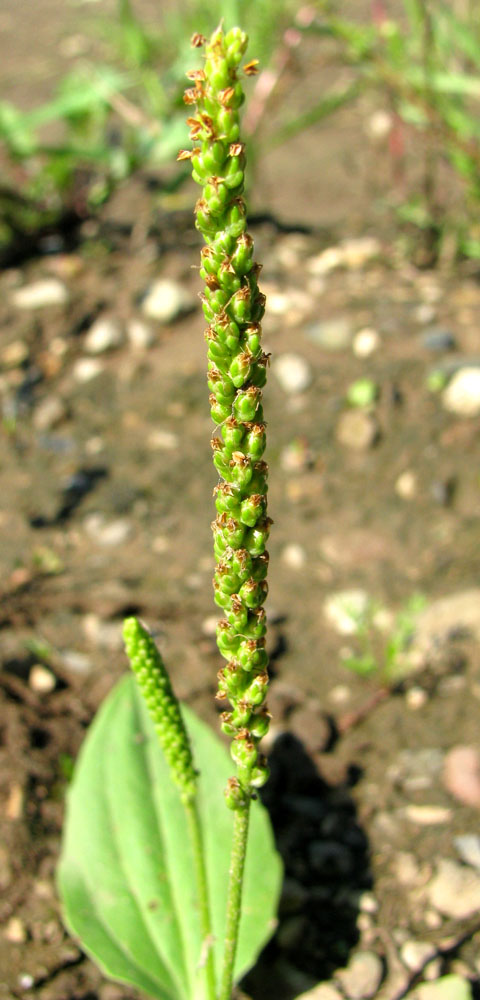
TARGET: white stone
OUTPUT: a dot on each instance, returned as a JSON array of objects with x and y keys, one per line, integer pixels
[
  {"x": 294, "y": 556},
  {"x": 468, "y": 847},
  {"x": 140, "y": 336},
  {"x": 293, "y": 373},
  {"x": 15, "y": 931},
  {"x": 454, "y": 890},
  {"x": 416, "y": 954},
  {"x": 162, "y": 440},
  {"x": 77, "y": 662},
  {"x": 346, "y": 609},
  {"x": 366, "y": 342},
  {"x": 406, "y": 485},
  {"x": 379, "y": 124},
  {"x": 167, "y": 300},
  {"x": 427, "y": 815},
  {"x": 48, "y": 413},
  {"x": 323, "y": 991},
  {"x": 40, "y": 294},
  {"x": 362, "y": 977},
  {"x": 462, "y": 394},
  {"x": 41, "y": 679},
  {"x": 107, "y": 533},
  {"x": 103, "y": 635},
  {"x": 357, "y": 429},
  {"x": 359, "y": 251},
  {"x": 86, "y": 369},
  {"x": 446, "y": 988},
  {"x": 416, "y": 697},
  {"x": 14, "y": 354},
  {"x": 105, "y": 335}
]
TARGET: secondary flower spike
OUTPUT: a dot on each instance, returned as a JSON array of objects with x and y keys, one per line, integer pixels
[
  {"x": 154, "y": 684},
  {"x": 237, "y": 369}
]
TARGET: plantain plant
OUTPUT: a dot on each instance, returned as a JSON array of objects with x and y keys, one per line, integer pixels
[{"x": 154, "y": 874}]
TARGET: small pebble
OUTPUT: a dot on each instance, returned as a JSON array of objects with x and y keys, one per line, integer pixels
[
  {"x": 468, "y": 847},
  {"x": 406, "y": 868},
  {"x": 103, "y": 635},
  {"x": 346, "y": 609},
  {"x": 105, "y": 335},
  {"x": 427, "y": 815},
  {"x": 425, "y": 313},
  {"x": 416, "y": 954},
  {"x": 446, "y": 988},
  {"x": 76, "y": 662},
  {"x": 49, "y": 413},
  {"x": 41, "y": 680},
  {"x": 15, "y": 931},
  {"x": 294, "y": 556},
  {"x": 332, "y": 334},
  {"x": 406, "y": 485},
  {"x": 140, "y": 335},
  {"x": 86, "y": 369},
  {"x": 362, "y": 977},
  {"x": 366, "y": 342},
  {"x": 109, "y": 534},
  {"x": 358, "y": 430},
  {"x": 323, "y": 991},
  {"x": 40, "y": 294},
  {"x": 14, "y": 354},
  {"x": 167, "y": 300},
  {"x": 379, "y": 124},
  {"x": 415, "y": 698},
  {"x": 461, "y": 775},
  {"x": 454, "y": 890},
  {"x": 462, "y": 394},
  {"x": 437, "y": 339},
  {"x": 26, "y": 981},
  {"x": 162, "y": 440},
  {"x": 293, "y": 373}
]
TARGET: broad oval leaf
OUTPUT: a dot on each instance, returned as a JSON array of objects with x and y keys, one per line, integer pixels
[{"x": 126, "y": 869}]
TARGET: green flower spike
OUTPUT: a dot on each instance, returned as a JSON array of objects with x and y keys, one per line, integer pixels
[
  {"x": 154, "y": 684},
  {"x": 233, "y": 307}
]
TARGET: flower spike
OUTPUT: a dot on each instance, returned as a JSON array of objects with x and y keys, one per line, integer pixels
[{"x": 233, "y": 307}]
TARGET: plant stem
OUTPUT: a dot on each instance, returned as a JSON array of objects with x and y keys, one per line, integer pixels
[
  {"x": 207, "y": 956},
  {"x": 234, "y": 901}
]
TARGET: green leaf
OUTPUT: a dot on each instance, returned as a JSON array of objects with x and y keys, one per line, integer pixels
[{"x": 125, "y": 874}]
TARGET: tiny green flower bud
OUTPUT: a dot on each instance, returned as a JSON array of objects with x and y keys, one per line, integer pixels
[
  {"x": 253, "y": 592},
  {"x": 244, "y": 750},
  {"x": 252, "y": 509},
  {"x": 246, "y": 404},
  {"x": 260, "y": 773},
  {"x": 235, "y": 795},
  {"x": 259, "y": 724}
]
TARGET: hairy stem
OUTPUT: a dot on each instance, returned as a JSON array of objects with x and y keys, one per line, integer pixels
[
  {"x": 234, "y": 901},
  {"x": 207, "y": 956}
]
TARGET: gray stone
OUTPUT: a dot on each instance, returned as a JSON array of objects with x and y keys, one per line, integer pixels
[
  {"x": 103, "y": 635},
  {"x": 462, "y": 394},
  {"x": 362, "y": 977},
  {"x": 331, "y": 334},
  {"x": 40, "y": 294},
  {"x": 468, "y": 847},
  {"x": 105, "y": 335},
  {"x": 454, "y": 890},
  {"x": 167, "y": 300},
  {"x": 358, "y": 430},
  {"x": 293, "y": 373},
  {"x": 437, "y": 338}
]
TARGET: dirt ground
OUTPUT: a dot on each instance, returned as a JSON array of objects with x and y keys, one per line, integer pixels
[{"x": 105, "y": 510}]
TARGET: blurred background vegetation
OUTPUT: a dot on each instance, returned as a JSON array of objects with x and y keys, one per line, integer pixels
[{"x": 417, "y": 63}]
